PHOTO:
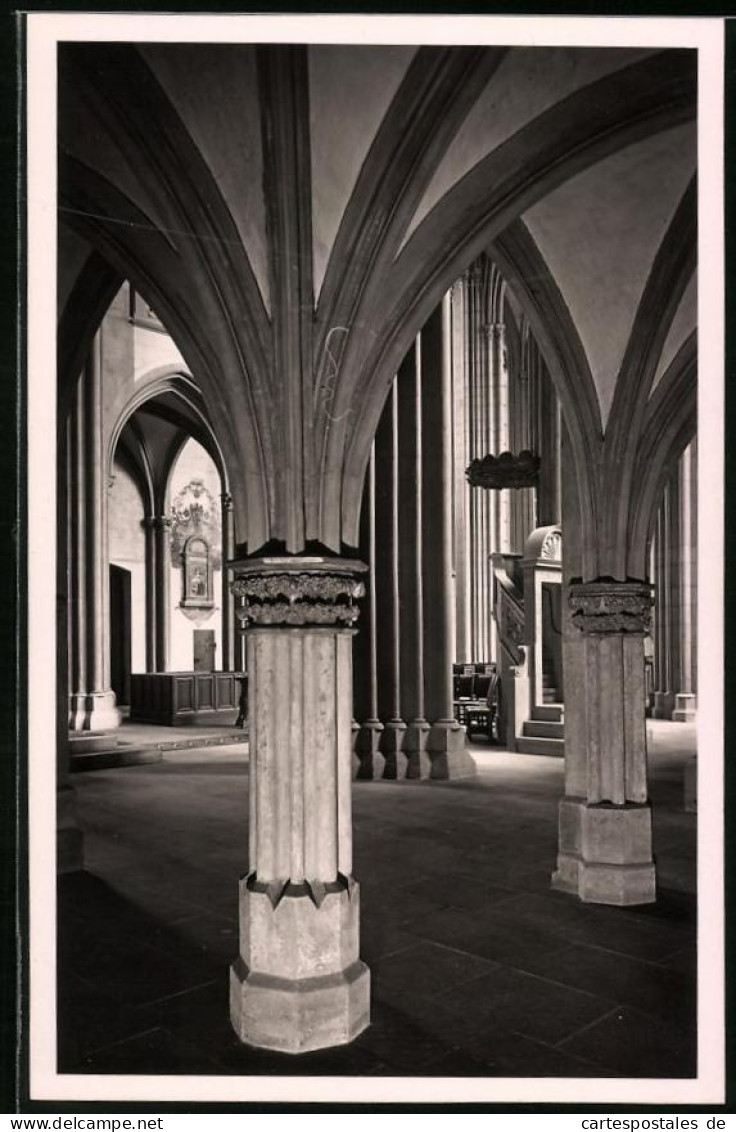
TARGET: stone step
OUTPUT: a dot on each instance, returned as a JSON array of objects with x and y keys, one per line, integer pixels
[
  {"x": 526, "y": 745},
  {"x": 544, "y": 729},
  {"x": 548, "y": 711}
]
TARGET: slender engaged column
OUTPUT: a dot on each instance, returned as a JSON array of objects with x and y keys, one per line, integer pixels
[
  {"x": 370, "y": 762},
  {"x": 500, "y": 385},
  {"x": 411, "y": 578},
  {"x": 227, "y": 651},
  {"x": 446, "y": 741},
  {"x": 387, "y": 581},
  {"x": 668, "y": 588},
  {"x": 298, "y": 983},
  {"x": 149, "y": 528},
  {"x": 605, "y": 851},
  {"x": 69, "y": 837},
  {"x": 684, "y": 710},
  {"x": 461, "y": 495},
  {"x": 162, "y": 529},
  {"x": 91, "y": 701}
]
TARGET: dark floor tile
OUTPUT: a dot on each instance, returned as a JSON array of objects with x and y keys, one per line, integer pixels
[
  {"x": 433, "y": 1016},
  {"x": 647, "y": 987},
  {"x": 685, "y": 960},
  {"x": 516, "y": 1055},
  {"x": 349, "y": 1061},
  {"x": 138, "y": 975},
  {"x": 613, "y": 930},
  {"x": 426, "y": 969},
  {"x": 459, "y": 1063},
  {"x": 458, "y": 891},
  {"x": 636, "y": 1046},
  {"x": 87, "y": 1018},
  {"x": 157, "y": 1051},
  {"x": 379, "y": 939},
  {"x": 399, "y": 1041},
  {"x": 515, "y": 1000},
  {"x": 391, "y": 907}
]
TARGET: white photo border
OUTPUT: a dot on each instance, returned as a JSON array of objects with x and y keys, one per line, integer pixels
[{"x": 44, "y": 32}]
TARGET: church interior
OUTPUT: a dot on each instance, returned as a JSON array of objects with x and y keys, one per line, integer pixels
[{"x": 377, "y": 490}]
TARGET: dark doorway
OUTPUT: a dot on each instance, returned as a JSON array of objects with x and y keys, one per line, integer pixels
[
  {"x": 204, "y": 650},
  {"x": 553, "y": 691},
  {"x": 120, "y": 651}
]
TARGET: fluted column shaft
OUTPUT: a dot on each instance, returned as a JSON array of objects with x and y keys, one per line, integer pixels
[
  {"x": 298, "y": 983},
  {"x": 605, "y": 833}
]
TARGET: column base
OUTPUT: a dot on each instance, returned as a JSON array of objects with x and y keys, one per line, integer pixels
[
  {"x": 446, "y": 748},
  {"x": 93, "y": 711},
  {"x": 664, "y": 702},
  {"x": 370, "y": 761},
  {"x": 685, "y": 708},
  {"x": 605, "y": 853},
  {"x": 298, "y": 983},
  {"x": 418, "y": 762},
  {"x": 392, "y": 748}
]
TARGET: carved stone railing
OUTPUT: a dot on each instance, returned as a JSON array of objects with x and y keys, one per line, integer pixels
[{"x": 508, "y": 605}]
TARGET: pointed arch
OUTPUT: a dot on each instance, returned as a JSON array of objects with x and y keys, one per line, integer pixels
[
  {"x": 669, "y": 426},
  {"x": 130, "y": 241},
  {"x": 596, "y": 121},
  {"x": 671, "y": 271}
]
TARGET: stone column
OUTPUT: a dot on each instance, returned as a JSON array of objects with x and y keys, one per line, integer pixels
[
  {"x": 69, "y": 837},
  {"x": 500, "y": 390},
  {"x": 684, "y": 708},
  {"x": 481, "y": 502},
  {"x": 461, "y": 459},
  {"x": 662, "y": 694},
  {"x": 370, "y": 763},
  {"x": 674, "y": 553},
  {"x": 92, "y": 701},
  {"x": 411, "y": 574},
  {"x": 162, "y": 534},
  {"x": 387, "y": 589},
  {"x": 522, "y": 438},
  {"x": 298, "y": 983},
  {"x": 149, "y": 527},
  {"x": 605, "y": 850},
  {"x": 446, "y": 741},
  {"x": 227, "y": 652},
  {"x": 548, "y": 492}
]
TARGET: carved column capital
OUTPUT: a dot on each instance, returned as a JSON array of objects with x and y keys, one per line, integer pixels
[
  {"x": 308, "y": 591},
  {"x": 607, "y": 607}
]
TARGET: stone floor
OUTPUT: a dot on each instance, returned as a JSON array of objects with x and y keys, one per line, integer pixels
[{"x": 478, "y": 968}]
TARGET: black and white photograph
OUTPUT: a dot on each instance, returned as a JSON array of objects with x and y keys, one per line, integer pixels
[{"x": 375, "y": 515}]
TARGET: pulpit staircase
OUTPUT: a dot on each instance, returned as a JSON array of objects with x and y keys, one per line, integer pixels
[{"x": 543, "y": 733}]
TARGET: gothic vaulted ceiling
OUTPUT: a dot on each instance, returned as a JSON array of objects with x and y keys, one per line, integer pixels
[{"x": 295, "y": 213}]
